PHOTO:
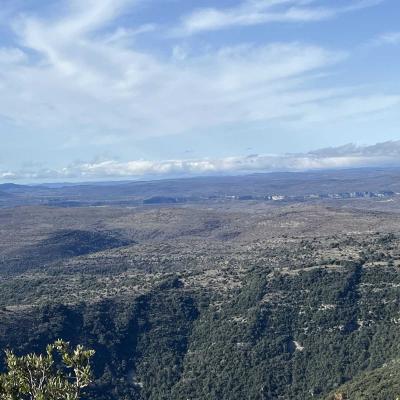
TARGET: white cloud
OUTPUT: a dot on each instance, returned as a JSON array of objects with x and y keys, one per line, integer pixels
[
  {"x": 126, "y": 35},
  {"x": 348, "y": 156},
  {"x": 80, "y": 78},
  {"x": 10, "y": 55},
  {"x": 388, "y": 38},
  {"x": 83, "y": 83},
  {"x": 255, "y": 12}
]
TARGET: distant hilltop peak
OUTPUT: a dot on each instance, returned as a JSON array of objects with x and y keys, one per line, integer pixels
[{"x": 10, "y": 186}]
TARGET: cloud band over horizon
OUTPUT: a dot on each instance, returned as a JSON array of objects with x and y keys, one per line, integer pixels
[{"x": 385, "y": 154}]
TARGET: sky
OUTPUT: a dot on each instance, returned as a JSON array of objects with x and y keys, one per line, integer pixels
[{"x": 117, "y": 89}]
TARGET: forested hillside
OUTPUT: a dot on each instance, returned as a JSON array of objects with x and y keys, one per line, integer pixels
[
  {"x": 290, "y": 301},
  {"x": 291, "y": 334}
]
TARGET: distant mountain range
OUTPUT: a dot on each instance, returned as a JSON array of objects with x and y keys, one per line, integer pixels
[{"x": 285, "y": 185}]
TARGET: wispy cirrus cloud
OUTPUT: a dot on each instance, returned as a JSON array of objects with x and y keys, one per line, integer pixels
[
  {"x": 77, "y": 73},
  {"x": 255, "y": 12},
  {"x": 348, "y": 156},
  {"x": 81, "y": 79}
]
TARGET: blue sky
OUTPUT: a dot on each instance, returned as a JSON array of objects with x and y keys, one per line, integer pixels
[{"x": 100, "y": 89}]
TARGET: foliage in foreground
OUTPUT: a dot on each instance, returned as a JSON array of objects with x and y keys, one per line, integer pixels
[
  {"x": 59, "y": 374},
  {"x": 380, "y": 383}
]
